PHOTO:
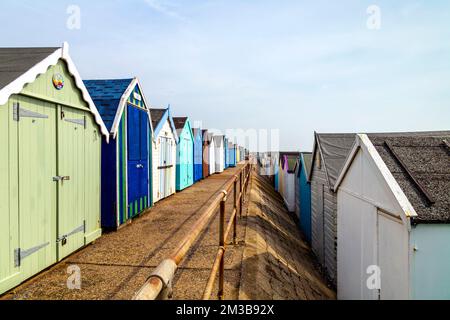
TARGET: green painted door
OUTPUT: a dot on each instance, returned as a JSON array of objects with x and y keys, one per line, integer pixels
[
  {"x": 37, "y": 191},
  {"x": 71, "y": 172}
]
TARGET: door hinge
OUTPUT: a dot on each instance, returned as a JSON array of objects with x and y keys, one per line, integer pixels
[
  {"x": 63, "y": 238},
  {"x": 19, "y": 112},
  {"x": 81, "y": 122},
  {"x": 20, "y": 254}
]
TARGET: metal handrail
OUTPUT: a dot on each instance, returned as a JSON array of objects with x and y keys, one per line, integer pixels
[{"x": 159, "y": 283}]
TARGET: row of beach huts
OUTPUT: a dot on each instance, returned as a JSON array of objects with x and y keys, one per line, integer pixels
[
  {"x": 375, "y": 209},
  {"x": 80, "y": 156}
]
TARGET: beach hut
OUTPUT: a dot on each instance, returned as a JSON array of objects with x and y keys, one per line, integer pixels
[
  {"x": 219, "y": 156},
  {"x": 242, "y": 154},
  {"x": 206, "y": 155},
  {"x": 287, "y": 166},
  {"x": 198, "y": 154},
  {"x": 164, "y": 147},
  {"x": 231, "y": 155},
  {"x": 394, "y": 217},
  {"x": 329, "y": 154},
  {"x": 225, "y": 150},
  {"x": 185, "y": 153},
  {"x": 50, "y": 134},
  {"x": 126, "y": 161},
  {"x": 238, "y": 154},
  {"x": 303, "y": 194},
  {"x": 212, "y": 154}
]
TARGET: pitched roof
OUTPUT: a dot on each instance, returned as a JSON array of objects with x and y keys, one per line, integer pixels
[
  {"x": 307, "y": 161},
  {"x": 157, "y": 115},
  {"x": 16, "y": 61},
  {"x": 420, "y": 163},
  {"x": 179, "y": 122},
  {"x": 291, "y": 163},
  {"x": 106, "y": 95},
  {"x": 304, "y": 163},
  {"x": 20, "y": 66},
  {"x": 196, "y": 131},
  {"x": 218, "y": 140},
  {"x": 334, "y": 148}
]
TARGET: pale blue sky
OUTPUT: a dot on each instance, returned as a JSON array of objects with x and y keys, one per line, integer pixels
[{"x": 297, "y": 66}]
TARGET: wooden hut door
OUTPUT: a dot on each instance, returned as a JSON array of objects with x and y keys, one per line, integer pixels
[
  {"x": 164, "y": 167},
  {"x": 137, "y": 160},
  {"x": 71, "y": 180},
  {"x": 36, "y": 139}
]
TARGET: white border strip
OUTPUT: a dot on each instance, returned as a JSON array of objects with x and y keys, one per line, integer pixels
[{"x": 29, "y": 76}]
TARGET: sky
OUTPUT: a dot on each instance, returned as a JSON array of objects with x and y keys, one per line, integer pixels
[{"x": 285, "y": 67}]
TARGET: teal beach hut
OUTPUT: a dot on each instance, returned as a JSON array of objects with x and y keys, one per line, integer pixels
[{"x": 185, "y": 153}]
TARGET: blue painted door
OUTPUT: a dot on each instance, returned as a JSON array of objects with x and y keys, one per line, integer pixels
[{"x": 138, "y": 192}]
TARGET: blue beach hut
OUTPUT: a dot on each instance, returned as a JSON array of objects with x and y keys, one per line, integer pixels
[
  {"x": 198, "y": 154},
  {"x": 126, "y": 159}
]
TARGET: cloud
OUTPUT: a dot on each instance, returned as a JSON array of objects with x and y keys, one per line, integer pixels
[{"x": 165, "y": 9}]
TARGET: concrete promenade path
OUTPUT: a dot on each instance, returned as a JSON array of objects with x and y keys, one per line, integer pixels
[{"x": 269, "y": 261}]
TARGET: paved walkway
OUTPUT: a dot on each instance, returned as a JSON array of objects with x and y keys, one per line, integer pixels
[
  {"x": 118, "y": 263},
  {"x": 277, "y": 263},
  {"x": 274, "y": 263}
]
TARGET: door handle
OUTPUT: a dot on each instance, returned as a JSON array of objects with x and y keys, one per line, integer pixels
[
  {"x": 61, "y": 178},
  {"x": 140, "y": 166}
]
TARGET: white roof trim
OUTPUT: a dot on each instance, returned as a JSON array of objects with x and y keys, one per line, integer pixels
[
  {"x": 123, "y": 102},
  {"x": 29, "y": 76},
  {"x": 363, "y": 142}
]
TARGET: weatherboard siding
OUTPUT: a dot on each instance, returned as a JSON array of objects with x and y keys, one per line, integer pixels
[
  {"x": 323, "y": 222},
  {"x": 42, "y": 88},
  {"x": 165, "y": 131},
  {"x": 34, "y": 209}
]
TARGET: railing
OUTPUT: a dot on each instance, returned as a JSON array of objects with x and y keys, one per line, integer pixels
[{"x": 159, "y": 284}]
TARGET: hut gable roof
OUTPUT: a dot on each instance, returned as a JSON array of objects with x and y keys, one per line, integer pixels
[
  {"x": 16, "y": 61},
  {"x": 420, "y": 163},
  {"x": 218, "y": 141},
  {"x": 180, "y": 123},
  {"x": 20, "y": 66},
  {"x": 290, "y": 163},
  {"x": 106, "y": 95},
  {"x": 157, "y": 115},
  {"x": 307, "y": 162},
  {"x": 111, "y": 96},
  {"x": 415, "y": 166},
  {"x": 304, "y": 163},
  {"x": 334, "y": 148},
  {"x": 158, "y": 118},
  {"x": 196, "y": 132}
]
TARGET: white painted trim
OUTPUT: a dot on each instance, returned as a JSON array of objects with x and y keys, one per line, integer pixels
[
  {"x": 79, "y": 82},
  {"x": 350, "y": 157},
  {"x": 29, "y": 76},
  {"x": 365, "y": 144},
  {"x": 123, "y": 103}
]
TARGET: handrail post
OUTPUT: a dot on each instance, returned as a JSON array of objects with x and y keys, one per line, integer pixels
[
  {"x": 235, "y": 210},
  {"x": 222, "y": 245},
  {"x": 242, "y": 195}
]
